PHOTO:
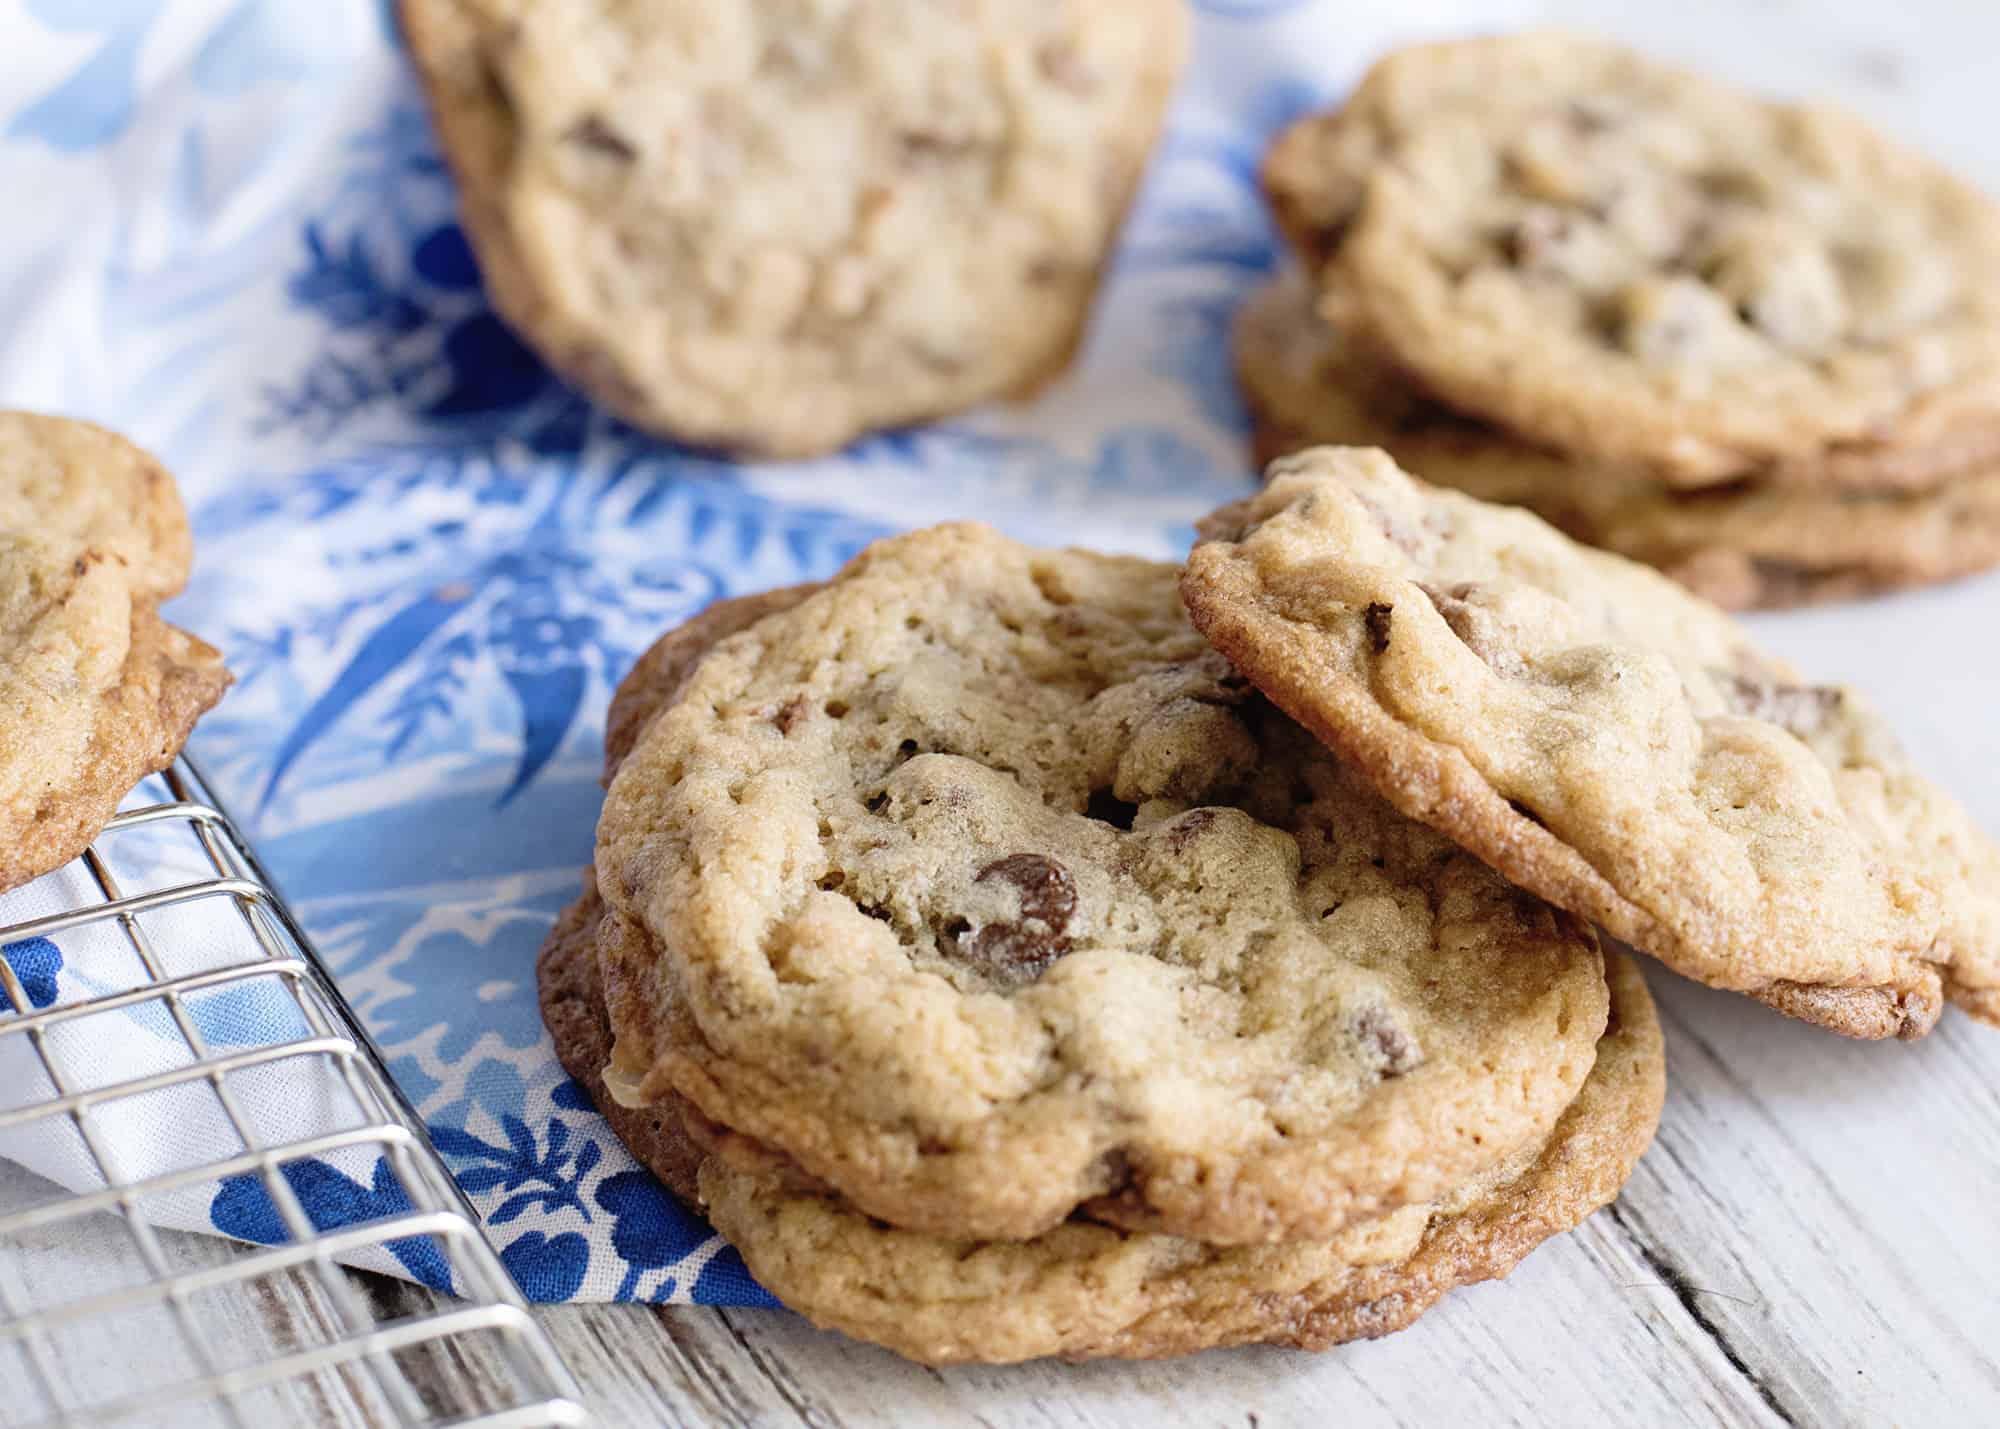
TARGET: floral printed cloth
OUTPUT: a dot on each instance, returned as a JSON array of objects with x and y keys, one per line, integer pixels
[{"x": 230, "y": 236}]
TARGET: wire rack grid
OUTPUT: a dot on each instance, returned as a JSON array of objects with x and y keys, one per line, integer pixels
[{"x": 195, "y": 1294}]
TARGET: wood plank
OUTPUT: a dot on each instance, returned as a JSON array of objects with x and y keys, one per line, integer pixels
[
  {"x": 1582, "y": 1331},
  {"x": 1825, "y": 1207}
]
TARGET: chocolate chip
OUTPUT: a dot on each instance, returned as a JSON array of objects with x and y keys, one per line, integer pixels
[
  {"x": 593, "y": 133},
  {"x": 1023, "y": 949},
  {"x": 1114, "y": 1171},
  {"x": 1376, "y": 618},
  {"x": 1534, "y": 241},
  {"x": 923, "y": 147},
  {"x": 1385, "y": 1043},
  {"x": 1474, "y": 625},
  {"x": 1452, "y": 605},
  {"x": 1591, "y": 114},
  {"x": 1801, "y": 709},
  {"x": 1189, "y": 827},
  {"x": 788, "y": 715},
  {"x": 1394, "y": 527},
  {"x": 1044, "y": 885}
]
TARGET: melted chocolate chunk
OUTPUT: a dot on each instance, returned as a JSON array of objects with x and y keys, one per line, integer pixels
[
  {"x": 1024, "y": 949},
  {"x": 1536, "y": 241},
  {"x": 1189, "y": 827},
  {"x": 1385, "y": 1043},
  {"x": 921, "y": 147},
  {"x": 1399, "y": 532},
  {"x": 790, "y": 713},
  {"x": 1801, "y": 709}
]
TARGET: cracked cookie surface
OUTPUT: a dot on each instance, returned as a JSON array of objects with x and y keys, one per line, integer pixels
[
  {"x": 1608, "y": 740},
  {"x": 1747, "y": 544},
  {"x": 772, "y": 228},
  {"x": 1621, "y": 259},
  {"x": 994, "y": 894},
  {"x": 96, "y": 691}
]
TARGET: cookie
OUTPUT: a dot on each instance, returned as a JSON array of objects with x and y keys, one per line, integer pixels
[
  {"x": 1747, "y": 544},
  {"x": 1621, "y": 260},
  {"x": 572, "y": 1004},
  {"x": 96, "y": 691},
  {"x": 1085, "y": 1290},
  {"x": 993, "y": 893},
  {"x": 775, "y": 229},
  {"x": 656, "y": 676},
  {"x": 571, "y": 994},
  {"x": 1607, "y": 740}
]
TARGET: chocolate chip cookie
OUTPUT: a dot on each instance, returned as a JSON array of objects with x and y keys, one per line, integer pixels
[
  {"x": 992, "y": 893},
  {"x": 772, "y": 229},
  {"x": 1084, "y": 1289},
  {"x": 1621, "y": 260},
  {"x": 1607, "y": 740},
  {"x": 655, "y": 678},
  {"x": 1747, "y": 544},
  {"x": 96, "y": 691}
]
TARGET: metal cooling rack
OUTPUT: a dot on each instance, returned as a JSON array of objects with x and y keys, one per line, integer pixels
[{"x": 195, "y": 1294}]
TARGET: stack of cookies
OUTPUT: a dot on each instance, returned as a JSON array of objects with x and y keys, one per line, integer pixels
[
  {"x": 1754, "y": 344},
  {"x": 96, "y": 690},
  {"x": 1023, "y": 953}
]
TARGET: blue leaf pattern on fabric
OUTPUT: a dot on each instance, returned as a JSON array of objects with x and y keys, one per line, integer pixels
[
  {"x": 387, "y": 647},
  {"x": 547, "y": 1269},
  {"x": 253, "y": 45},
  {"x": 243, "y": 1207},
  {"x": 726, "y": 1280},
  {"x": 649, "y": 1231},
  {"x": 554, "y": 1170},
  {"x": 93, "y": 106},
  {"x": 490, "y": 369},
  {"x": 35, "y": 962},
  {"x": 445, "y": 258}
]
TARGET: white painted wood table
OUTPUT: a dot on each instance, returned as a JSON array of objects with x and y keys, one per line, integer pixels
[{"x": 1813, "y": 1240}]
